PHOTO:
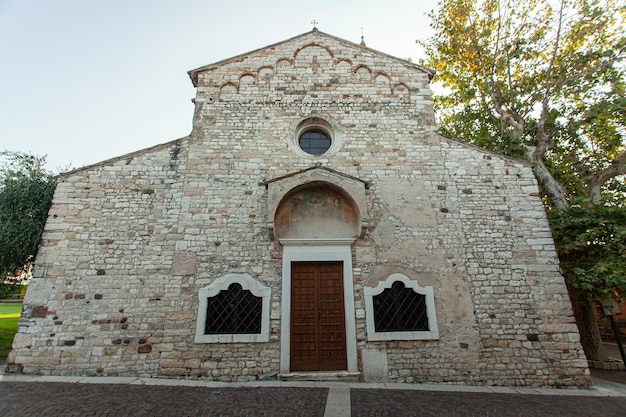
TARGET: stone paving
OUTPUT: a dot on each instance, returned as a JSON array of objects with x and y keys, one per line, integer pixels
[
  {"x": 405, "y": 403},
  {"x": 19, "y": 399},
  {"x": 24, "y": 396}
]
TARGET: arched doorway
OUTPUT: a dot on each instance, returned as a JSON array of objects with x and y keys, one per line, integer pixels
[{"x": 316, "y": 223}]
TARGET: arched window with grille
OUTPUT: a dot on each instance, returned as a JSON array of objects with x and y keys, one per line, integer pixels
[
  {"x": 233, "y": 311},
  {"x": 234, "y": 308},
  {"x": 400, "y": 309}
]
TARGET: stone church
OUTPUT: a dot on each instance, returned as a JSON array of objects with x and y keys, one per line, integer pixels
[{"x": 313, "y": 225}]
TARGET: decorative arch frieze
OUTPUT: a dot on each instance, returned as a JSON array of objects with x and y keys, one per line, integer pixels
[
  {"x": 314, "y": 45},
  {"x": 227, "y": 88},
  {"x": 342, "y": 60},
  {"x": 265, "y": 71},
  {"x": 343, "y": 66},
  {"x": 382, "y": 77},
  {"x": 284, "y": 62},
  {"x": 361, "y": 69},
  {"x": 400, "y": 88},
  {"x": 245, "y": 77}
]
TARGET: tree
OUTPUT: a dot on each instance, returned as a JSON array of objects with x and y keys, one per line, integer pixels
[
  {"x": 542, "y": 80},
  {"x": 26, "y": 190},
  {"x": 591, "y": 242}
]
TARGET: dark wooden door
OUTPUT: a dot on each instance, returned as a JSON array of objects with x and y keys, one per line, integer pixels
[{"x": 318, "y": 331}]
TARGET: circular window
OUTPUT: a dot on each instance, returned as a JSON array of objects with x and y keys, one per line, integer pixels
[
  {"x": 315, "y": 136},
  {"x": 314, "y": 142}
]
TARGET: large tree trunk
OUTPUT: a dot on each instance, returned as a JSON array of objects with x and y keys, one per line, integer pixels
[
  {"x": 595, "y": 180},
  {"x": 587, "y": 326},
  {"x": 551, "y": 188}
]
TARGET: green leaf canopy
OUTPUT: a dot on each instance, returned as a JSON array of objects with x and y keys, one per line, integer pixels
[{"x": 26, "y": 191}]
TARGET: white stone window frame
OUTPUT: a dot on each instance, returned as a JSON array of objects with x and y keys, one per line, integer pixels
[
  {"x": 222, "y": 283},
  {"x": 428, "y": 292},
  {"x": 317, "y": 122}
]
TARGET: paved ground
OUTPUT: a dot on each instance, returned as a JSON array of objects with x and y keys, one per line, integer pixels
[
  {"x": 403, "y": 403},
  {"x": 19, "y": 399},
  {"x": 613, "y": 376},
  {"x": 612, "y": 351},
  {"x": 23, "y": 396}
]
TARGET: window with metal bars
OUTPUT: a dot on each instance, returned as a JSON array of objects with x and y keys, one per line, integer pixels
[
  {"x": 399, "y": 309},
  {"x": 314, "y": 142},
  {"x": 233, "y": 311}
]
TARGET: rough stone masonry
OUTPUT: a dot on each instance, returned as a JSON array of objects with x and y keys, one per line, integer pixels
[{"x": 137, "y": 249}]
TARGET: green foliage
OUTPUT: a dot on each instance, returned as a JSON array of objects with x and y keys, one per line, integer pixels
[
  {"x": 468, "y": 123},
  {"x": 11, "y": 288},
  {"x": 545, "y": 80},
  {"x": 26, "y": 191},
  {"x": 539, "y": 79},
  {"x": 591, "y": 242}
]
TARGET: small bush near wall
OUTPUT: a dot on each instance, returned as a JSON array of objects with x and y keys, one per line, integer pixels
[{"x": 12, "y": 290}]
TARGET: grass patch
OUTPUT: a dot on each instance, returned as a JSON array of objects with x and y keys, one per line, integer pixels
[
  {"x": 9, "y": 315},
  {"x": 9, "y": 310}
]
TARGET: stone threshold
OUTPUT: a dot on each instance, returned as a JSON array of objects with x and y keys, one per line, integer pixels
[{"x": 343, "y": 376}]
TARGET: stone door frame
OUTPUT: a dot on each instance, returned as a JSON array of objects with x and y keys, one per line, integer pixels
[
  {"x": 318, "y": 322},
  {"x": 295, "y": 250}
]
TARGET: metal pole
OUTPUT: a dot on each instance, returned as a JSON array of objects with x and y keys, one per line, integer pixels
[{"x": 618, "y": 339}]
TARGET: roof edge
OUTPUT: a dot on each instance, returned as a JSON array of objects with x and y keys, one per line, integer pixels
[
  {"x": 318, "y": 165},
  {"x": 121, "y": 157},
  {"x": 484, "y": 150}
]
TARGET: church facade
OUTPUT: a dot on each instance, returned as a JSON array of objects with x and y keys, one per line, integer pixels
[{"x": 313, "y": 225}]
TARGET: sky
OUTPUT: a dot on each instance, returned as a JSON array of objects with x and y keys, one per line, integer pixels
[{"x": 82, "y": 81}]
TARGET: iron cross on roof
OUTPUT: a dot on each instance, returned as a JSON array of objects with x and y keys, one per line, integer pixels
[{"x": 314, "y": 23}]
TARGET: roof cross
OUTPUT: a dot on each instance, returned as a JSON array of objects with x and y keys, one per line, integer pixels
[{"x": 314, "y": 23}]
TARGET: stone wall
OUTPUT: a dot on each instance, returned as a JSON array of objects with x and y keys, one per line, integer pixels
[{"x": 130, "y": 241}]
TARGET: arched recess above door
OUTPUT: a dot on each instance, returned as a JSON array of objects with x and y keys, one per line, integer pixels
[
  {"x": 316, "y": 205},
  {"x": 316, "y": 211}
]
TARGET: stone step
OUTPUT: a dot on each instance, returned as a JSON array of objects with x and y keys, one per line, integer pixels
[{"x": 343, "y": 376}]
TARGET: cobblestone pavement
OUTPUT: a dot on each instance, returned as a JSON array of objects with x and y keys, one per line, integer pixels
[
  {"x": 410, "y": 403},
  {"x": 100, "y": 398},
  {"x": 26, "y": 399}
]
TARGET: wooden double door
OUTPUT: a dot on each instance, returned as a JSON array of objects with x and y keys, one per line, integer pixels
[{"x": 318, "y": 330}]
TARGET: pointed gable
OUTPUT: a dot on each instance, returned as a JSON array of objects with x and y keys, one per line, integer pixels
[{"x": 318, "y": 52}]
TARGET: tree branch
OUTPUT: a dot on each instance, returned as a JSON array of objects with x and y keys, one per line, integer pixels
[
  {"x": 595, "y": 180},
  {"x": 508, "y": 118},
  {"x": 546, "y": 140}
]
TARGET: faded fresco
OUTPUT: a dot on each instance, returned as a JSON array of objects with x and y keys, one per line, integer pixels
[{"x": 315, "y": 213}]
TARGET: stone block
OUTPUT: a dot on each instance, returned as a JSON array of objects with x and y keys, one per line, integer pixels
[{"x": 21, "y": 340}]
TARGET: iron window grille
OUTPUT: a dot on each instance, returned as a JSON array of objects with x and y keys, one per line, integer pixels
[
  {"x": 233, "y": 311},
  {"x": 315, "y": 142},
  {"x": 399, "y": 309}
]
